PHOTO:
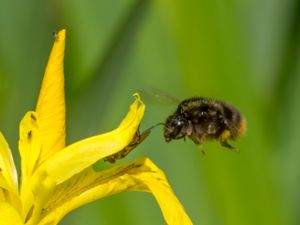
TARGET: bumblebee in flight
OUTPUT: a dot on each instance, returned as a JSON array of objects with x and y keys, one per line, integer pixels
[{"x": 202, "y": 119}]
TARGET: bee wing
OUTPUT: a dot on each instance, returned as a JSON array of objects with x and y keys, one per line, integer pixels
[{"x": 155, "y": 95}]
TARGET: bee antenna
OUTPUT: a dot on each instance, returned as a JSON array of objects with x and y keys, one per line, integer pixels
[{"x": 158, "y": 124}]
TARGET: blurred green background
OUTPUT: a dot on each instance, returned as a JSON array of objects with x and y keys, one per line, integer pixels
[{"x": 245, "y": 52}]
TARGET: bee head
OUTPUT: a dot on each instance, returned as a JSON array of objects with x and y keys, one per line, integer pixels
[{"x": 173, "y": 127}]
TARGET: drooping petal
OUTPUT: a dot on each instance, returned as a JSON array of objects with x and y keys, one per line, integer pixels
[
  {"x": 141, "y": 175},
  {"x": 80, "y": 155},
  {"x": 8, "y": 215},
  {"x": 51, "y": 102}
]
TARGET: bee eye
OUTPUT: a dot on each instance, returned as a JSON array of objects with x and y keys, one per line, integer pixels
[
  {"x": 180, "y": 122},
  {"x": 203, "y": 114}
]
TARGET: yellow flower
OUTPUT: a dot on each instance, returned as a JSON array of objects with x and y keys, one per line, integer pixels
[{"x": 57, "y": 178}]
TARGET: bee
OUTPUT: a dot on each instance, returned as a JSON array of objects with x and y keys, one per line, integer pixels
[{"x": 202, "y": 119}]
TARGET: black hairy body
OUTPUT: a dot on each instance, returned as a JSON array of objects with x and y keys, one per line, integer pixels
[{"x": 202, "y": 119}]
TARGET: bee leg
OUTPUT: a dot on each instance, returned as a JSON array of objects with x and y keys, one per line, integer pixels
[
  {"x": 202, "y": 149},
  {"x": 225, "y": 135},
  {"x": 198, "y": 142},
  {"x": 228, "y": 146},
  {"x": 180, "y": 137}
]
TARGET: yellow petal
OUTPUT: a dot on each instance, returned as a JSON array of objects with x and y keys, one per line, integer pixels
[
  {"x": 7, "y": 192},
  {"x": 2, "y": 195},
  {"x": 8, "y": 215},
  {"x": 51, "y": 102},
  {"x": 30, "y": 144},
  {"x": 141, "y": 175},
  {"x": 76, "y": 157},
  {"x": 7, "y": 165},
  {"x": 171, "y": 208}
]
